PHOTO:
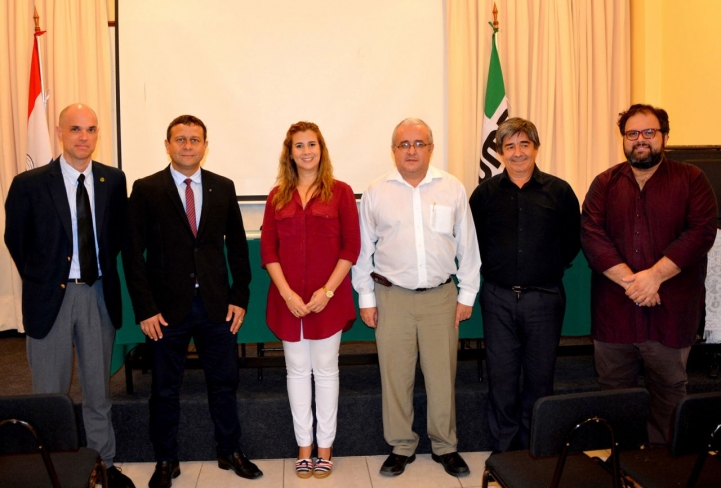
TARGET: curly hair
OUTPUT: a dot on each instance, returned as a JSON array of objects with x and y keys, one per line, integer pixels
[{"x": 659, "y": 113}]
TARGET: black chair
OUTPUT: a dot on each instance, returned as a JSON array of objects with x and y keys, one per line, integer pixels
[
  {"x": 39, "y": 445},
  {"x": 562, "y": 427},
  {"x": 697, "y": 431}
]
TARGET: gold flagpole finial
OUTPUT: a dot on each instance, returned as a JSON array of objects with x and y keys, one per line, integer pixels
[
  {"x": 36, "y": 18},
  {"x": 495, "y": 16}
]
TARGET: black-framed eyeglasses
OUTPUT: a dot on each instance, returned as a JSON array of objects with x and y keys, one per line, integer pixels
[
  {"x": 632, "y": 135},
  {"x": 406, "y": 145}
]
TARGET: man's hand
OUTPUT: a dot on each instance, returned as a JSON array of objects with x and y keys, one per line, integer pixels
[
  {"x": 369, "y": 316},
  {"x": 236, "y": 314},
  {"x": 463, "y": 312},
  {"x": 643, "y": 287},
  {"x": 151, "y": 326}
]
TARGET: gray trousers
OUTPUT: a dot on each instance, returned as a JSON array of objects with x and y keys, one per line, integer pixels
[
  {"x": 619, "y": 365},
  {"x": 412, "y": 324},
  {"x": 83, "y": 322}
]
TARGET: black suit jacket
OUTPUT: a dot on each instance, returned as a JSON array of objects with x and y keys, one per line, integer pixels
[
  {"x": 39, "y": 236},
  {"x": 163, "y": 260}
]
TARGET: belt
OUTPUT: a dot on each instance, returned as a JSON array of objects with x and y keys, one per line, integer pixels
[
  {"x": 77, "y": 281},
  {"x": 382, "y": 280},
  {"x": 521, "y": 289}
]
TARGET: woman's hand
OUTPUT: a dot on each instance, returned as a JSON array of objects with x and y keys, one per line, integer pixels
[
  {"x": 318, "y": 301},
  {"x": 296, "y": 306}
]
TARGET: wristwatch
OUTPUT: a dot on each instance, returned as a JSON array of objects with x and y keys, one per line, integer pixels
[{"x": 328, "y": 293}]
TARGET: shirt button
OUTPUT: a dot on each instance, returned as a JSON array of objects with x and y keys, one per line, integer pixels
[
  {"x": 635, "y": 250},
  {"x": 192, "y": 275}
]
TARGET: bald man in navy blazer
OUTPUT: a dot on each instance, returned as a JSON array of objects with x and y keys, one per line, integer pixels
[
  {"x": 181, "y": 220},
  {"x": 61, "y": 308}
]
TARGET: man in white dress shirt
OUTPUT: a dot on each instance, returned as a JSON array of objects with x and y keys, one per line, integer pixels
[{"x": 415, "y": 223}]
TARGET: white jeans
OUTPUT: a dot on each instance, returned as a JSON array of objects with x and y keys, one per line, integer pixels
[{"x": 319, "y": 358}]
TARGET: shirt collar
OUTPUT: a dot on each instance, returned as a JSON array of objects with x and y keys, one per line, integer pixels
[
  {"x": 536, "y": 177},
  {"x": 179, "y": 178},
  {"x": 71, "y": 173},
  {"x": 431, "y": 174}
]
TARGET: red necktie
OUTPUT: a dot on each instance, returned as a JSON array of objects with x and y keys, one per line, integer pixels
[{"x": 190, "y": 206}]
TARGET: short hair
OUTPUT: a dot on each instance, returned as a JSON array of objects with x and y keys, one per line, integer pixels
[
  {"x": 287, "y": 179},
  {"x": 412, "y": 121},
  {"x": 511, "y": 127},
  {"x": 186, "y": 120},
  {"x": 637, "y": 108}
]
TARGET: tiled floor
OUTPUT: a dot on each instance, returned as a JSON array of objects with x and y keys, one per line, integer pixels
[{"x": 348, "y": 472}]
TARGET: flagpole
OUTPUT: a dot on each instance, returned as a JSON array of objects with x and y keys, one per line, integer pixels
[
  {"x": 495, "y": 109},
  {"x": 39, "y": 32}
]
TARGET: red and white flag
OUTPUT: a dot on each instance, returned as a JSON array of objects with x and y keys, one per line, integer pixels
[{"x": 38, "y": 152}]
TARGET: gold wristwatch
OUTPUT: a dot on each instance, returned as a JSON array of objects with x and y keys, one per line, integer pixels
[{"x": 328, "y": 293}]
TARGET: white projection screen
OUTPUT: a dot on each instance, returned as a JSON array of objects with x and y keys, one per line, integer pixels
[{"x": 249, "y": 69}]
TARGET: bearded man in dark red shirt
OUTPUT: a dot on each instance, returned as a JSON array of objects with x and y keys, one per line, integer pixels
[{"x": 646, "y": 227}]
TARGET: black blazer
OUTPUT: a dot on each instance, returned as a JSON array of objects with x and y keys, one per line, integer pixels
[
  {"x": 38, "y": 233},
  {"x": 163, "y": 260}
]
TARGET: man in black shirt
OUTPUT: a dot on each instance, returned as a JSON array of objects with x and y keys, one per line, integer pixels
[{"x": 528, "y": 226}]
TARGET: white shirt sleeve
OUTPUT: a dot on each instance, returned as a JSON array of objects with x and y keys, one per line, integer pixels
[
  {"x": 467, "y": 252},
  {"x": 361, "y": 271}
]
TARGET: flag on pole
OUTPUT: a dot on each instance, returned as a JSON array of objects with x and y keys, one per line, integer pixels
[
  {"x": 495, "y": 111},
  {"x": 38, "y": 151}
]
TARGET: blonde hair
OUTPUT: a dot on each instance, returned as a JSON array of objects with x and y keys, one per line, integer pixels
[{"x": 287, "y": 179}]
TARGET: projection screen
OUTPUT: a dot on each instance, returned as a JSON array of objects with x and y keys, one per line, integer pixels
[{"x": 249, "y": 69}]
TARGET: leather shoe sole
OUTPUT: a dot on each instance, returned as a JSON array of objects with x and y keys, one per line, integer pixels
[
  {"x": 453, "y": 464},
  {"x": 396, "y": 464}
]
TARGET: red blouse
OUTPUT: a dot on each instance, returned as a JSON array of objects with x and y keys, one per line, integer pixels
[{"x": 308, "y": 244}]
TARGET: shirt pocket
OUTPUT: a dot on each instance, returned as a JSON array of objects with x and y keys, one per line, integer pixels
[
  {"x": 442, "y": 219},
  {"x": 285, "y": 222},
  {"x": 325, "y": 220}
]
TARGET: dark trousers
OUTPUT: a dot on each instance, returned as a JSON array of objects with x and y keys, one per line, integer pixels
[
  {"x": 217, "y": 351},
  {"x": 521, "y": 333},
  {"x": 619, "y": 365}
]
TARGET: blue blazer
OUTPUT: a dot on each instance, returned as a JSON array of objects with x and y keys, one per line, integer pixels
[{"x": 38, "y": 234}]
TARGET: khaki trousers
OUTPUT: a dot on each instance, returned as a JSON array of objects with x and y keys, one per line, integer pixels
[{"x": 410, "y": 323}]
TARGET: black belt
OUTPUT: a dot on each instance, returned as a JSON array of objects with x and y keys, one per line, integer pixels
[
  {"x": 521, "y": 289},
  {"x": 382, "y": 280},
  {"x": 77, "y": 281}
]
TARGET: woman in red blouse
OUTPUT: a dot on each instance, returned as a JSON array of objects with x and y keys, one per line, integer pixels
[{"x": 309, "y": 242}]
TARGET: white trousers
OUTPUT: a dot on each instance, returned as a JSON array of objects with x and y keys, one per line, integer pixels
[{"x": 319, "y": 358}]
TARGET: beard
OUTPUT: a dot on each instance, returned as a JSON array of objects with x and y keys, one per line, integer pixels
[{"x": 654, "y": 157}]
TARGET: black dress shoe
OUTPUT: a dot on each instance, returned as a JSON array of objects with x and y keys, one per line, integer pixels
[
  {"x": 396, "y": 464},
  {"x": 453, "y": 463},
  {"x": 242, "y": 466},
  {"x": 116, "y": 479},
  {"x": 164, "y": 474}
]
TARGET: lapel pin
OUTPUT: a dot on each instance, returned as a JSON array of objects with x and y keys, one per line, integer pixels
[{"x": 102, "y": 179}]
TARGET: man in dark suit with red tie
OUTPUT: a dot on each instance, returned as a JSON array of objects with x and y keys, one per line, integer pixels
[
  {"x": 63, "y": 228},
  {"x": 180, "y": 220}
]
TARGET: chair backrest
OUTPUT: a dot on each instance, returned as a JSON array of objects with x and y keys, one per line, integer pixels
[
  {"x": 52, "y": 415},
  {"x": 697, "y": 416},
  {"x": 555, "y": 416}
]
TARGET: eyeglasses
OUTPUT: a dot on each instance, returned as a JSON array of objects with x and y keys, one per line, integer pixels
[
  {"x": 632, "y": 135},
  {"x": 406, "y": 145}
]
